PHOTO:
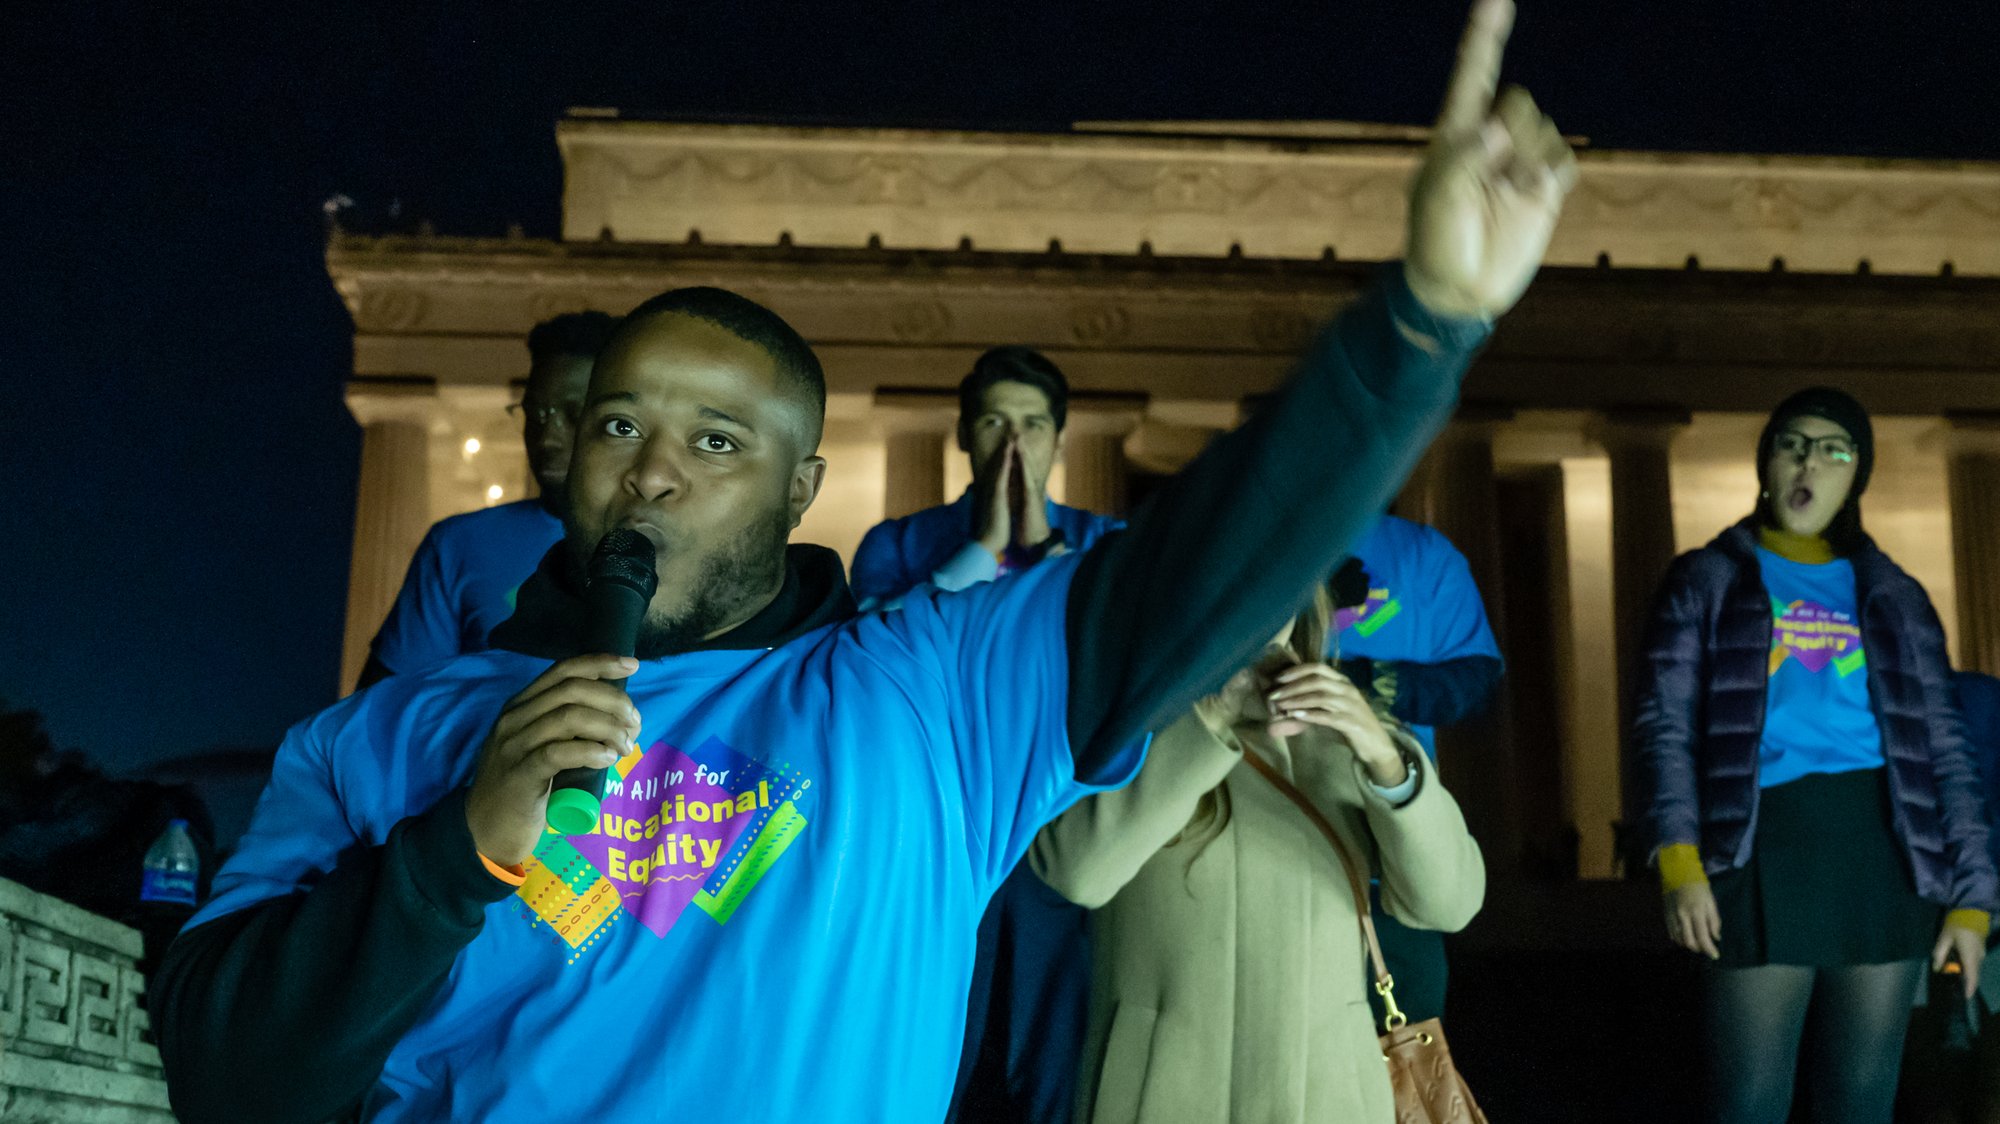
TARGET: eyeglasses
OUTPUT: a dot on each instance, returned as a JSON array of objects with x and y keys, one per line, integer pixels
[
  {"x": 548, "y": 416},
  {"x": 1833, "y": 450}
]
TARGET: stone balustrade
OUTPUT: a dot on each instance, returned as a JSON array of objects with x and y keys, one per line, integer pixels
[{"x": 74, "y": 1041}]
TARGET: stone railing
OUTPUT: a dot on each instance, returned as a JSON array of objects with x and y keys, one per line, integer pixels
[{"x": 74, "y": 1046}]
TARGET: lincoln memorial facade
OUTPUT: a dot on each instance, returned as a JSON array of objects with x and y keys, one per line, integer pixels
[{"x": 1173, "y": 271}]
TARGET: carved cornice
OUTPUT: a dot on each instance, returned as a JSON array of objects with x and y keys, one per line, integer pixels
[
  {"x": 469, "y": 287},
  {"x": 1215, "y": 328},
  {"x": 411, "y": 400},
  {"x": 1260, "y": 197}
]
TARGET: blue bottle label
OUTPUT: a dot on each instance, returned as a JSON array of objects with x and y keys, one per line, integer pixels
[{"x": 167, "y": 886}]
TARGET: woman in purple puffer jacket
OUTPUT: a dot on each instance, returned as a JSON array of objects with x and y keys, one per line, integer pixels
[{"x": 1803, "y": 778}]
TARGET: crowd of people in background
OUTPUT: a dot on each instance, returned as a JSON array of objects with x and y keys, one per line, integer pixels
[{"x": 1224, "y": 932}]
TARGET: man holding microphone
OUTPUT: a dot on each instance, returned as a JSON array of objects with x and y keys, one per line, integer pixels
[{"x": 774, "y": 916}]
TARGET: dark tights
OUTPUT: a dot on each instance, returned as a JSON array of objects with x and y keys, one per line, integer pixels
[{"x": 1847, "y": 1022}]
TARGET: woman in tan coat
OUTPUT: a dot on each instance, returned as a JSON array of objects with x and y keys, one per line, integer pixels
[{"x": 1229, "y": 975}]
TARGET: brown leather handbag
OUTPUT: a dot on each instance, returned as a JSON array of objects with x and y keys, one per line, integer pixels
[{"x": 1426, "y": 1083}]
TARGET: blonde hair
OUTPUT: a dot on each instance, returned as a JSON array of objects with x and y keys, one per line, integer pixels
[{"x": 1307, "y": 644}]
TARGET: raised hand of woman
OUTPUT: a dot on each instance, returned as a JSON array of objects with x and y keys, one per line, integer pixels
[{"x": 1317, "y": 694}]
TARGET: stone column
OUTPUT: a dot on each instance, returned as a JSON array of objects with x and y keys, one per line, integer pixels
[
  {"x": 1174, "y": 431},
  {"x": 1459, "y": 498},
  {"x": 1094, "y": 468},
  {"x": 392, "y": 506},
  {"x": 1973, "y": 469},
  {"x": 1638, "y": 444},
  {"x": 913, "y": 477},
  {"x": 1414, "y": 501},
  {"x": 1453, "y": 491},
  {"x": 916, "y": 425}
]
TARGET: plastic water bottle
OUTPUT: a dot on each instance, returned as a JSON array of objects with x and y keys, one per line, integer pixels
[{"x": 172, "y": 867}]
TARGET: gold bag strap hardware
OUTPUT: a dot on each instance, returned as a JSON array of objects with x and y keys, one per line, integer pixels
[{"x": 1385, "y": 984}]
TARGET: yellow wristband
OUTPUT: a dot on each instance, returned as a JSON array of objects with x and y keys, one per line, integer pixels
[
  {"x": 1976, "y": 920},
  {"x": 1680, "y": 865}
]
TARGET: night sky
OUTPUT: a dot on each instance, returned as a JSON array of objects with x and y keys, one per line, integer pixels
[{"x": 178, "y": 468}]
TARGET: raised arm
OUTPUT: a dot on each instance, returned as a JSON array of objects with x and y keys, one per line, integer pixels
[
  {"x": 1162, "y": 614},
  {"x": 1090, "y": 852}
]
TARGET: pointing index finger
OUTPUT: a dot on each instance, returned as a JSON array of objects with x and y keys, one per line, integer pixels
[{"x": 1469, "y": 97}]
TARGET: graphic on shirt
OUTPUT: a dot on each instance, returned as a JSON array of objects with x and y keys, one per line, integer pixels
[
  {"x": 1367, "y": 618},
  {"x": 677, "y": 828},
  {"x": 1815, "y": 636}
]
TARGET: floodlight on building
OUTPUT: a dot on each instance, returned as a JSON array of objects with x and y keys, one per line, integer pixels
[
  {"x": 471, "y": 446},
  {"x": 494, "y": 492}
]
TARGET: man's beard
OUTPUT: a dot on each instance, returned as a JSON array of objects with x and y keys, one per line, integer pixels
[{"x": 745, "y": 568}]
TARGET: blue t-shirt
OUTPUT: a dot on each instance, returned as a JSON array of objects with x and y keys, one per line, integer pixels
[
  {"x": 1817, "y": 717},
  {"x": 899, "y": 555},
  {"x": 1033, "y": 944},
  {"x": 775, "y": 917},
  {"x": 1423, "y": 606},
  {"x": 462, "y": 581}
]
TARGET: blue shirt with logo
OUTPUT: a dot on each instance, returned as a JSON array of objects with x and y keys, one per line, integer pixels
[
  {"x": 931, "y": 548},
  {"x": 1423, "y": 606},
  {"x": 1817, "y": 716},
  {"x": 1033, "y": 942},
  {"x": 462, "y": 581},
  {"x": 774, "y": 918}
]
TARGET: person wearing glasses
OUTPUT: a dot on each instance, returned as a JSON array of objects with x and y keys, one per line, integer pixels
[
  {"x": 1804, "y": 780},
  {"x": 461, "y": 582}
]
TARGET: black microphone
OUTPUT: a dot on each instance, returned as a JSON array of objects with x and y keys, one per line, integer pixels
[{"x": 616, "y": 591}]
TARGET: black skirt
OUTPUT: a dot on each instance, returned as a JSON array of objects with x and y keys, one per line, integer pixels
[{"x": 1827, "y": 884}]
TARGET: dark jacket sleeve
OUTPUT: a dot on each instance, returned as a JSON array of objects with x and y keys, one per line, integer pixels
[
  {"x": 1978, "y": 697},
  {"x": 1974, "y": 882},
  {"x": 287, "y": 1009},
  {"x": 1444, "y": 693},
  {"x": 1666, "y": 724},
  {"x": 1162, "y": 613}
]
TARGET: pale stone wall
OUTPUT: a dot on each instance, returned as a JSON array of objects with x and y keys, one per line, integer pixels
[
  {"x": 1277, "y": 197},
  {"x": 850, "y": 501},
  {"x": 1589, "y": 719},
  {"x": 74, "y": 1040}
]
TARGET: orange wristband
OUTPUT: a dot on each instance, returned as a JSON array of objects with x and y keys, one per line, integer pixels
[{"x": 511, "y": 875}]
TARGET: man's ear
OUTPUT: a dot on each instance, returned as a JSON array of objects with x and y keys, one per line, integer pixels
[{"x": 807, "y": 477}]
